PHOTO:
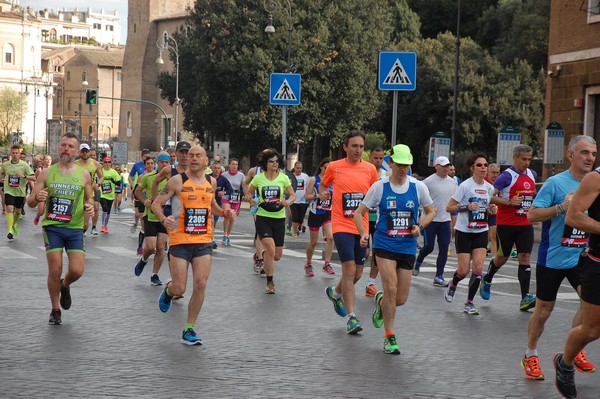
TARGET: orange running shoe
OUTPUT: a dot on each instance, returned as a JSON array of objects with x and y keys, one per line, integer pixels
[
  {"x": 531, "y": 367},
  {"x": 370, "y": 290},
  {"x": 582, "y": 364}
]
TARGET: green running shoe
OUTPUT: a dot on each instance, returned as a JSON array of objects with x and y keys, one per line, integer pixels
[
  {"x": 390, "y": 345},
  {"x": 378, "y": 313}
]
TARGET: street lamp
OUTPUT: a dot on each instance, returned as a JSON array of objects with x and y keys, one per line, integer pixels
[
  {"x": 34, "y": 81},
  {"x": 84, "y": 84},
  {"x": 163, "y": 44},
  {"x": 455, "y": 98},
  {"x": 272, "y": 6}
]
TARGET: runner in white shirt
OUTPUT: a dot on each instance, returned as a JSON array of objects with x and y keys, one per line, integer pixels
[
  {"x": 236, "y": 179},
  {"x": 299, "y": 206}
]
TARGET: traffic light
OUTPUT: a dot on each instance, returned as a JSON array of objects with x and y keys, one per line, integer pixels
[{"x": 91, "y": 96}]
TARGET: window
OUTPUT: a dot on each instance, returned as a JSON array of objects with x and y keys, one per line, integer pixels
[
  {"x": 9, "y": 54},
  {"x": 53, "y": 34},
  {"x": 68, "y": 75},
  {"x": 69, "y": 105},
  {"x": 119, "y": 76},
  {"x": 90, "y": 130},
  {"x": 97, "y": 25},
  {"x": 129, "y": 122},
  {"x": 593, "y": 9},
  {"x": 110, "y": 28},
  {"x": 83, "y": 76}
]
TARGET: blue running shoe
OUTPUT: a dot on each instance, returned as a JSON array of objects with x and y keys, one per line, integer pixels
[
  {"x": 485, "y": 289},
  {"x": 353, "y": 326},
  {"x": 164, "y": 302},
  {"x": 528, "y": 302},
  {"x": 139, "y": 267},
  {"x": 189, "y": 337},
  {"x": 338, "y": 304}
]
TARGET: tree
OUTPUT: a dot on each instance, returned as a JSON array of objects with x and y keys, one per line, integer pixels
[{"x": 13, "y": 107}]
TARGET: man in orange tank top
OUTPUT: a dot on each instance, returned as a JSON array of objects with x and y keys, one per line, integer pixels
[{"x": 190, "y": 226}]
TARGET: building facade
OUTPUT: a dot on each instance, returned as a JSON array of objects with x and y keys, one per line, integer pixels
[
  {"x": 143, "y": 125},
  {"x": 573, "y": 82}
]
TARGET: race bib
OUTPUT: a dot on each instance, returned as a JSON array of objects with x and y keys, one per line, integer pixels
[
  {"x": 196, "y": 221},
  {"x": 271, "y": 193},
  {"x": 350, "y": 202},
  {"x": 106, "y": 188},
  {"x": 574, "y": 238},
  {"x": 523, "y": 210},
  {"x": 235, "y": 196},
  {"x": 13, "y": 181},
  {"x": 300, "y": 186},
  {"x": 324, "y": 205},
  {"x": 60, "y": 209},
  {"x": 399, "y": 224}
]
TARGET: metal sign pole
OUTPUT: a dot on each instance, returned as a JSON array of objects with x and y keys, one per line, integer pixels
[{"x": 394, "y": 117}]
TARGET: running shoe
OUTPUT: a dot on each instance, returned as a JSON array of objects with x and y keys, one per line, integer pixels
[
  {"x": 531, "y": 367},
  {"x": 16, "y": 229},
  {"x": 189, "y": 337},
  {"x": 449, "y": 251},
  {"x": 353, "y": 326},
  {"x": 164, "y": 302},
  {"x": 449, "y": 294},
  {"x": 582, "y": 364},
  {"x": 485, "y": 289},
  {"x": 139, "y": 267},
  {"x": 214, "y": 244},
  {"x": 133, "y": 227},
  {"x": 270, "y": 288},
  {"x": 370, "y": 290},
  {"x": 470, "y": 308},
  {"x": 154, "y": 280},
  {"x": 390, "y": 345},
  {"x": 94, "y": 232},
  {"x": 440, "y": 282},
  {"x": 514, "y": 253},
  {"x": 565, "y": 378},
  {"x": 36, "y": 220},
  {"x": 303, "y": 229},
  {"x": 528, "y": 302},
  {"x": 65, "y": 296},
  {"x": 288, "y": 232},
  {"x": 338, "y": 304},
  {"x": 140, "y": 251},
  {"x": 104, "y": 229},
  {"x": 308, "y": 269},
  {"x": 328, "y": 269},
  {"x": 10, "y": 236},
  {"x": 55, "y": 317},
  {"x": 415, "y": 272},
  {"x": 378, "y": 313},
  {"x": 256, "y": 265}
]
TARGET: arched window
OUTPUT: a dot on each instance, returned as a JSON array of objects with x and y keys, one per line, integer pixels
[
  {"x": 129, "y": 121},
  {"x": 9, "y": 54},
  {"x": 90, "y": 130}
]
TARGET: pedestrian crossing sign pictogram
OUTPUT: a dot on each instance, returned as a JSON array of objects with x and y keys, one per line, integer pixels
[
  {"x": 285, "y": 89},
  {"x": 397, "y": 71}
]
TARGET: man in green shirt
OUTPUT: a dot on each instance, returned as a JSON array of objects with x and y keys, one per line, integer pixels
[
  {"x": 66, "y": 191},
  {"x": 16, "y": 173}
]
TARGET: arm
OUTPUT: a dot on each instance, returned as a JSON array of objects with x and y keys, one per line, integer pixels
[
  {"x": 358, "y": 221},
  {"x": 39, "y": 193},
  {"x": 99, "y": 173},
  {"x": 162, "y": 175},
  {"x": 224, "y": 211},
  {"x": 289, "y": 191},
  {"x": 430, "y": 213},
  {"x": 583, "y": 198},
  {"x": 539, "y": 214},
  {"x": 172, "y": 188},
  {"x": 310, "y": 190},
  {"x": 88, "y": 195}
]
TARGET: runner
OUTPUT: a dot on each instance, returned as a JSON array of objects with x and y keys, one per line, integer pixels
[
  {"x": 189, "y": 227},
  {"x": 397, "y": 200},
  {"x": 558, "y": 254},
  {"x": 137, "y": 170},
  {"x": 107, "y": 196},
  {"x": 584, "y": 215},
  {"x": 16, "y": 174},
  {"x": 155, "y": 233},
  {"x": 66, "y": 189},
  {"x": 236, "y": 180},
  {"x": 351, "y": 178},
  {"x": 118, "y": 190},
  {"x": 492, "y": 175},
  {"x": 4, "y": 159},
  {"x": 441, "y": 188},
  {"x": 224, "y": 191},
  {"x": 271, "y": 185},
  {"x": 376, "y": 158},
  {"x": 472, "y": 201},
  {"x": 298, "y": 208},
  {"x": 514, "y": 191},
  {"x": 87, "y": 160},
  {"x": 46, "y": 162},
  {"x": 319, "y": 217}
]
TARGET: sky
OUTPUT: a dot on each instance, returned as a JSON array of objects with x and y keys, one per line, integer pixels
[{"x": 97, "y": 5}]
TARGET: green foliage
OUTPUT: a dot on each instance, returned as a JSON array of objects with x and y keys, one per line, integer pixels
[
  {"x": 374, "y": 140},
  {"x": 13, "y": 107}
]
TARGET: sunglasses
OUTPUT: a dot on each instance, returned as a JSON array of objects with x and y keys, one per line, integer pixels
[
  {"x": 107, "y": 162},
  {"x": 273, "y": 161},
  {"x": 479, "y": 165}
]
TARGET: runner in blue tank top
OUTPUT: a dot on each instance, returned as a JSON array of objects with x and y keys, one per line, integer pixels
[{"x": 397, "y": 199}]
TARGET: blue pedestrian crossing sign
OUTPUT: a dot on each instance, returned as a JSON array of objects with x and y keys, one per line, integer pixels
[
  {"x": 397, "y": 71},
  {"x": 285, "y": 89}
]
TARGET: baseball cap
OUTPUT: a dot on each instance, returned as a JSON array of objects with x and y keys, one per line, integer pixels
[
  {"x": 442, "y": 161},
  {"x": 84, "y": 146},
  {"x": 401, "y": 155},
  {"x": 183, "y": 146}
]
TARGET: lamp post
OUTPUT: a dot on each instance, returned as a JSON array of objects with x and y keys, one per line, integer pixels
[
  {"x": 455, "y": 98},
  {"x": 84, "y": 84},
  {"x": 271, "y": 6},
  {"x": 34, "y": 81},
  {"x": 164, "y": 44}
]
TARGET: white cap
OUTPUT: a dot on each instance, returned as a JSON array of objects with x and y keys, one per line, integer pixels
[
  {"x": 442, "y": 161},
  {"x": 84, "y": 146}
]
